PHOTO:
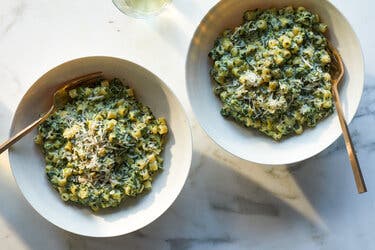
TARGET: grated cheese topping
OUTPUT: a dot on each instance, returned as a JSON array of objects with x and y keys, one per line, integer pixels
[{"x": 103, "y": 146}]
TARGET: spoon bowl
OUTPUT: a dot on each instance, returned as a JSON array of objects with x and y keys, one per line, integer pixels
[{"x": 60, "y": 98}]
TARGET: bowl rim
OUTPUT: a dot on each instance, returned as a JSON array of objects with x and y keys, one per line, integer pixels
[
  {"x": 285, "y": 162},
  {"x": 189, "y": 144}
]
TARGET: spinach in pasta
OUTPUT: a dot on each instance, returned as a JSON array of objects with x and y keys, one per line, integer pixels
[
  {"x": 103, "y": 146},
  {"x": 272, "y": 72}
]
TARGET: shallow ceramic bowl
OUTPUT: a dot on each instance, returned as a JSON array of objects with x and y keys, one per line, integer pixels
[
  {"x": 249, "y": 144},
  {"x": 27, "y": 162}
]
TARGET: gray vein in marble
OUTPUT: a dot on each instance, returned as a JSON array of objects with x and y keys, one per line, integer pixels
[
  {"x": 368, "y": 146},
  {"x": 296, "y": 167},
  {"x": 140, "y": 234},
  {"x": 12, "y": 75},
  {"x": 318, "y": 236},
  {"x": 241, "y": 205},
  {"x": 9, "y": 19},
  {"x": 187, "y": 243},
  {"x": 196, "y": 165},
  {"x": 367, "y": 105}
]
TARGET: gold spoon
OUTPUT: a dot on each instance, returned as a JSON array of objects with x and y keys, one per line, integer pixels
[
  {"x": 60, "y": 98},
  {"x": 337, "y": 73}
]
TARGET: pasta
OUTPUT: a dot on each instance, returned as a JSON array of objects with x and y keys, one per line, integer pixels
[
  {"x": 272, "y": 72},
  {"x": 103, "y": 146}
]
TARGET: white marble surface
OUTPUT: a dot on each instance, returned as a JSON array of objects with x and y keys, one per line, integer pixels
[{"x": 226, "y": 203}]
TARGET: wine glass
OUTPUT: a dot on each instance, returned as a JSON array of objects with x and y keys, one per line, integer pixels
[{"x": 141, "y": 8}]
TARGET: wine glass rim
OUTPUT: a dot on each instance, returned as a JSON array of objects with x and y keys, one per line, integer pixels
[{"x": 130, "y": 11}]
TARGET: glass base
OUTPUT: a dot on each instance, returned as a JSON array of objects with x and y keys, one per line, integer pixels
[{"x": 141, "y": 8}]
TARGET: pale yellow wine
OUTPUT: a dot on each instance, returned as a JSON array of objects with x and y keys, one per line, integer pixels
[{"x": 141, "y": 7}]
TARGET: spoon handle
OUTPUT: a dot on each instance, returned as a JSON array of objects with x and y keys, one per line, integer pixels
[
  {"x": 361, "y": 186},
  {"x": 7, "y": 144}
]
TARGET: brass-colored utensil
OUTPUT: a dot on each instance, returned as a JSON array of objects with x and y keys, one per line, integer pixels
[
  {"x": 60, "y": 98},
  {"x": 337, "y": 74}
]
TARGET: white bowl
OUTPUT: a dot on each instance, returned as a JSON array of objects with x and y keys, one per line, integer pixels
[
  {"x": 27, "y": 162},
  {"x": 246, "y": 143}
]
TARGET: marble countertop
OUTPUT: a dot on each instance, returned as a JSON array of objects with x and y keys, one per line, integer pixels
[{"x": 226, "y": 203}]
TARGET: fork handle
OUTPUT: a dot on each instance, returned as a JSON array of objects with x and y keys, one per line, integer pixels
[
  {"x": 7, "y": 144},
  {"x": 361, "y": 186}
]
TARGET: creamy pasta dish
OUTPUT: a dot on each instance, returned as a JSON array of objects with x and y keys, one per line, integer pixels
[
  {"x": 103, "y": 146},
  {"x": 272, "y": 72}
]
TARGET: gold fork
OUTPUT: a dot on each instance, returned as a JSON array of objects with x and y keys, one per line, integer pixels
[
  {"x": 337, "y": 73},
  {"x": 60, "y": 98}
]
